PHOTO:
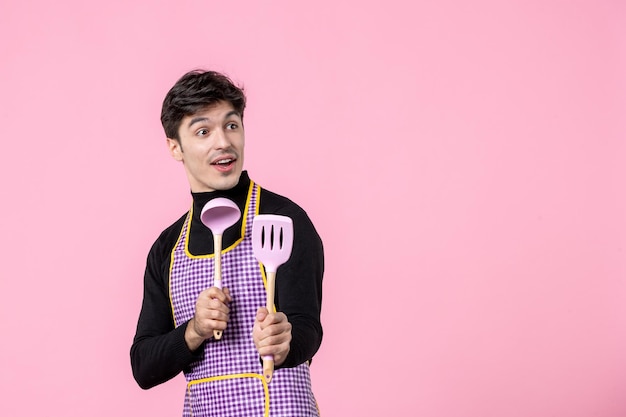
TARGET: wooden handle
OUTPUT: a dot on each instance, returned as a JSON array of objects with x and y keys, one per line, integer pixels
[
  {"x": 268, "y": 367},
  {"x": 217, "y": 276},
  {"x": 268, "y": 361},
  {"x": 271, "y": 285}
]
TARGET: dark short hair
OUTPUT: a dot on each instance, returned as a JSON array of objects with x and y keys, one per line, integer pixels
[{"x": 196, "y": 91}]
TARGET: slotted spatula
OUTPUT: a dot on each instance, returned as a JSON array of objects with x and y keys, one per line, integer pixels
[
  {"x": 218, "y": 215},
  {"x": 272, "y": 240}
]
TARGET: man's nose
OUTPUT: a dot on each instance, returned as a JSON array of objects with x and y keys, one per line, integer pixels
[{"x": 221, "y": 140}]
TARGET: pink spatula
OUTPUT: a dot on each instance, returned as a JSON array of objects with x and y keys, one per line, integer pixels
[
  {"x": 272, "y": 240},
  {"x": 218, "y": 215}
]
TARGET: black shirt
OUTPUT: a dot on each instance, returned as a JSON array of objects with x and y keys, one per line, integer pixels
[{"x": 159, "y": 351}]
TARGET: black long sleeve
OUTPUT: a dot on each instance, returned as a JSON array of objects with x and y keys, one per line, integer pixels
[{"x": 159, "y": 351}]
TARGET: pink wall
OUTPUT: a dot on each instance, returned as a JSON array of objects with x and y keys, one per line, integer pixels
[{"x": 463, "y": 161}]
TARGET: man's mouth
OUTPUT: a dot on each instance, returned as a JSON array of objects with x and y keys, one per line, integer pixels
[{"x": 223, "y": 162}]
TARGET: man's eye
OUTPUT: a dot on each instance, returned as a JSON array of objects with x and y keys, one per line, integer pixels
[
  {"x": 202, "y": 132},
  {"x": 232, "y": 126}
]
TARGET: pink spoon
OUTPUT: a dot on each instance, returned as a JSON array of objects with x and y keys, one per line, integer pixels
[{"x": 218, "y": 215}]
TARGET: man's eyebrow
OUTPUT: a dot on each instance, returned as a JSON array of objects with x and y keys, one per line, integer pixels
[
  {"x": 232, "y": 113},
  {"x": 206, "y": 119},
  {"x": 197, "y": 120}
]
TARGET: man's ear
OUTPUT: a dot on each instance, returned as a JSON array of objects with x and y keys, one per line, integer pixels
[{"x": 175, "y": 148}]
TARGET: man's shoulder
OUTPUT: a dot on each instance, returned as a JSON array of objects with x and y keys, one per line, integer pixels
[
  {"x": 174, "y": 228},
  {"x": 275, "y": 203},
  {"x": 168, "y": 237}
]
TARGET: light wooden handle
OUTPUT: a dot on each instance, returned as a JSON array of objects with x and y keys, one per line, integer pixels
[
  {"x": 268, "y": 367},
  {"x": 268, "y": 361},
  {"x": 217, "y": 276},
  {"x": 271, "y": 286}
]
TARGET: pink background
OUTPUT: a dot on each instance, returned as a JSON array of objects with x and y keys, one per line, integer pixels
[{"x": 464, "y": 163}]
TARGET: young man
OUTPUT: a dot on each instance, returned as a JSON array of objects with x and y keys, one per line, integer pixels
[{"x": 203, "y": 120}]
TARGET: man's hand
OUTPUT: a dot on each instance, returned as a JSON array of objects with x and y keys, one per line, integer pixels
[
  {"x": 272, "y": 335},
  {"x": 211, "y": 314}
]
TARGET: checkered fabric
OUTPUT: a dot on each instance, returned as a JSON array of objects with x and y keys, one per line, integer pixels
[{"x": 228, "y": 381}]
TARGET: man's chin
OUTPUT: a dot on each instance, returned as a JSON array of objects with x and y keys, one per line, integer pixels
[
  {"x": 228, "y": 181},
  {"x": 222, "y": 182}
]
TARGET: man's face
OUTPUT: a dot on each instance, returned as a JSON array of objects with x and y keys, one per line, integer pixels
[{"x": 211, "y": 147}]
